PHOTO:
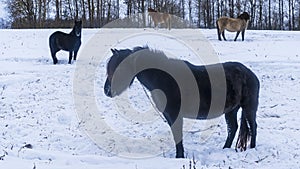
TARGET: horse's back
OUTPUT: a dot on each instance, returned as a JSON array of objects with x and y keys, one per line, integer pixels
[
  {"x": 222, "y": 22},
  {"x": 234, "y": 71},
  {"x": 239, "y": 77},
  {"x": 57, "y": 34},
  {"x": 55, "y": 37},
  {"x": 240, "y": 70},
  {"x": 240, "y": 83}
]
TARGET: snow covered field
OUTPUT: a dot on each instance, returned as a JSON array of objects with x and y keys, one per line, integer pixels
[{"x": 41, "y": 126}]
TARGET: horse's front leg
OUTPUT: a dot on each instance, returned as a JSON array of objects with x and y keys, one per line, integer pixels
[
  {"x": 177, "y": 135},
  {"x": 223, "y": 34},
  {"x": 75, "y": 54},
  {"x": 237, "y": 34},
  {"x": 70, "y": 56},
  {"x": 76, "y": 50},
  {"x": 155, "y": 25},
  {"x": 176, "y": 124},
  {"x": 243, "y": 35}
]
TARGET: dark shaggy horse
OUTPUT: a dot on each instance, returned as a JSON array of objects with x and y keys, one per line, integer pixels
[
  {"x": 241, "y": 90},
  {"x": 238, "y": 25},
  {"x": 67, "y": 42}
]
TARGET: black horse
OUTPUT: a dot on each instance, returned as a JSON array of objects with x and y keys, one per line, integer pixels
[
  {"x": 240, "y": 88},
  {"x": 68, "y": 42}
]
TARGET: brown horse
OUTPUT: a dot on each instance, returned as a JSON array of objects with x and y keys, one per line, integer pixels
[
  {"x": 238, "y": 25},
  {"x": 158, "y": 18}
]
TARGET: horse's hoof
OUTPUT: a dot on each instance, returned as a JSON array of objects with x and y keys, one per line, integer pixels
[
  {"x": 226, "y": 147},
  {"x": 55, "y": 61},
  {"x": 179, "y": 155}
]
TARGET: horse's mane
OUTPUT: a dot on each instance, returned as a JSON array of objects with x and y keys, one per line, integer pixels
[
  {"x": 244, "y": 16},
  {"x": 124, "y": 53},
  {"x": 150, "y": 51},
  {"x": 146, "y": 51},
  {"x": 151, "y": 10},
  {"x": 138, "y": 48}
]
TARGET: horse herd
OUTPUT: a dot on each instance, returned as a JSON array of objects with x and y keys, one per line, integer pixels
[{"x": 239, "y": 87}]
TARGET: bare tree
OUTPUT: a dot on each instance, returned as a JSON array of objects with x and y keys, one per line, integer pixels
[
  {"x": 269, "y": 16},
  {"x": 265, "y": 14},
  {"x": 57, "y": 9}
]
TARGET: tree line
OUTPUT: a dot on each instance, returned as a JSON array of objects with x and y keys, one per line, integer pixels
[{"x": 265, "y": 14}]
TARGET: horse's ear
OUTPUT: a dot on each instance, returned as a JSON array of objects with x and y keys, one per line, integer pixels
[
  {"x": 114, "y": 51},
  {"x": 78, "y": 21}
]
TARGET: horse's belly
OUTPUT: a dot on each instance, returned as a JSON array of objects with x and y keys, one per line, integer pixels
[
  {"x": 204, "y": 115},
  {"x": 232, "y": 29},
  {"x": 67, "y": 43}
]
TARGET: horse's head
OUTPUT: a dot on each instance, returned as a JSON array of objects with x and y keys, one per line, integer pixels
[
  {"x": 151, "y": 10},
  {"x": 119, "y": 76},
  {"x": 244, "y": 16},
  {"x": 77, "y": 28}
]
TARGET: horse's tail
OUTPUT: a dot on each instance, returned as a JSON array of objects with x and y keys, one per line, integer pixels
[{"x": 244, "y": 134}]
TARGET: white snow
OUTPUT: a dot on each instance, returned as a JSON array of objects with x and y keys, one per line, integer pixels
[{"x": 38, "y": 103}]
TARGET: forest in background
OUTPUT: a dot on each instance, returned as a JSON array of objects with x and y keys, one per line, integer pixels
[{"x": 265, "y": 14}]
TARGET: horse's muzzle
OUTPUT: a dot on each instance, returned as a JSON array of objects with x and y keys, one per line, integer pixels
[{"x": 107, "y": 90}]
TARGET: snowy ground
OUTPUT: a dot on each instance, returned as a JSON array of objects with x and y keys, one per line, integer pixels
[{"x": 39, "y": 124}]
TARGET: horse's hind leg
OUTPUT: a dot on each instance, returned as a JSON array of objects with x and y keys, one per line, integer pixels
[
  {"x": 53, "y": 48},
  {"x": 248, "y": 116},
  {"x": 70, "y": 56},
  {"x": 251, "y": 119},
  {"x": 54, "y": 58},
  {"x": 232, "y": 125},
  {"x": 53, "y": 51},
  {"x": 237, "y": 34}
]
